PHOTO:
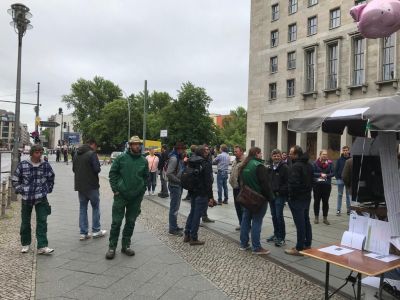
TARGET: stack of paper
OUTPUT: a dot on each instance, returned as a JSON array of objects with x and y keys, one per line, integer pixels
[
  {"x": 353, "y": 240},
  {"x": 378, "y": 237}
]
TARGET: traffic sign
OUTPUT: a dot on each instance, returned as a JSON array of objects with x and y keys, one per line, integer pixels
[
  {"x": 163, "y": 133},
  {"x": 49, "y": 124}
]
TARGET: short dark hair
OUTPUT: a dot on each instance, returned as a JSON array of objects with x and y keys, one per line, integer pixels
[
  {"x": 91, "y": 141},
  {"x": 35, "y": 148},
  {"x": 276, "y": 151},
  {"x": 240, "y": 147},
  {"x": 345, "y": 147}
]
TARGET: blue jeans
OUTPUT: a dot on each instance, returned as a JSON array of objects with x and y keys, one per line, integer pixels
[
  {"x": 175, "y": 193},
  {"x": 152, "y": 181},
  {"x": 340, "y": 186},
  {"x": 301, "y": 216},
  {"x": 222, "y": 179},
  {"x": 84, "y": 197},
  {"x": 252, "y": 222},
  {"x": 277, "y": 205},
  {"x": 198, "y": 205}
]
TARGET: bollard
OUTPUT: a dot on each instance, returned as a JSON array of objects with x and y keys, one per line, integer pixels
[
  {"x": 3, "y": 199},
  {"x": 9, "y": 193}
]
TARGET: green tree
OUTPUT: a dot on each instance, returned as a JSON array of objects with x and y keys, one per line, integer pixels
[
  {"x": 187, "y": 118},
  {"x": 234, "y": 127},
  {"x": 88, "y": 98}
]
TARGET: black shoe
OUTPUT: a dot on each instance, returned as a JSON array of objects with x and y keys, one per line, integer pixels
[
  {"x": 176, "y": 233},
  {"x": 196, "y": 243},
  {"x": 163, "y": 195},
  {"x": 207, "y": 220},
  {"x": 128, "y": 251},
  {"x": 186, "y": 238},
  {"x": 219, "y": 203},
  {"x": 110, "y": 253},
  {"x": 225, "y": 202}
]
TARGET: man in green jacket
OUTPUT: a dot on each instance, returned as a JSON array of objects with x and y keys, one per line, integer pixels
[{"x": 128, "y": 179}]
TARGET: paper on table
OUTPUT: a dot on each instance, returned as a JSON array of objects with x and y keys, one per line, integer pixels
[
  {"x": 378, "y": 237},
  {"x": 358, "y": 224},
  {"x": 384, "y": 258},
  {"x": 353, "y": 240},
  {"x": 336, "y": 250}
]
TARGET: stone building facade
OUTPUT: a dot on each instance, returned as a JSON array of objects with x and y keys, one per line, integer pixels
[{"x": 306, "y": 54}]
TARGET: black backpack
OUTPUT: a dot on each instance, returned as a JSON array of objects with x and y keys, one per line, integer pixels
[{"x": 190, "y": 178}]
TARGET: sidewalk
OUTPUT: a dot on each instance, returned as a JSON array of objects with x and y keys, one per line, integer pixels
[{"x": 79, "y": 270}]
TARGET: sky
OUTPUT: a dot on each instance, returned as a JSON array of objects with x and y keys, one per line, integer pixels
[{"x": 166, "y": 42}]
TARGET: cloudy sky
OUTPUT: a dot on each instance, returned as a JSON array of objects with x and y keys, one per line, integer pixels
[{"x": 167, "y": 42}]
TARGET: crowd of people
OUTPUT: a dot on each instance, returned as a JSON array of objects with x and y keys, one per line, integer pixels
[{"x": 283, "y": 179}]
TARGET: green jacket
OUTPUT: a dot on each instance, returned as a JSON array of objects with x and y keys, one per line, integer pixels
[
  {"x": 249, "y": 175},
  {"x": 128, "y": 175}
]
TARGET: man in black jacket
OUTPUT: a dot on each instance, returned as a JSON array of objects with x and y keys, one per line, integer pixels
[
  {"x": 279, "y": 182},
  {"x": 86, "y": 167},
  {"x": 163, "y": 178},
  {"x": 299, "y": 187},
  {"x": 199, "y": 195}
]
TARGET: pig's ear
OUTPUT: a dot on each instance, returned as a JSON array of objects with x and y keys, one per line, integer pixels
[{"x": 356, "y": 11}]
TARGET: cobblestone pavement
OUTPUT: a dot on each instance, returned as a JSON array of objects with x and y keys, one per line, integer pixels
[
  {"x": 241, "y": 275},
  {"x": 16, "y": 274}
]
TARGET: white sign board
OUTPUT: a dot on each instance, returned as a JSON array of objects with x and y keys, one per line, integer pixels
[{"x": 164, "y": 133}]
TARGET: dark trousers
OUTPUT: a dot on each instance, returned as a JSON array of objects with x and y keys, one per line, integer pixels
[
  {"x": 321, "y": 192},
  {"x": 152, "y": 181},
  {"x": 277, "y": 204},
  {"x": 300, "y": 210},
  {"x": 164, "y": 188},
  {"x": 198, "y": 204},
  {"x": 238, "y": 207},
  {"x": 131, "y": 210},
  {"x": 42, "y": 211}
]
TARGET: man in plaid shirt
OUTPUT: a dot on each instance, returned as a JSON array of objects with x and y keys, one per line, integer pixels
[{"x": 34, "y": 179}]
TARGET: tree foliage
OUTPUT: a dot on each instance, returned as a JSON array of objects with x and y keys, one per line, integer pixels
[{"x": 233, "y": 131}]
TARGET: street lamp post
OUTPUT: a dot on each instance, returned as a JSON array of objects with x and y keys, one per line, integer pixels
[
  {"x": 129, "y": 114},
  {"x": 20, "y": 21},
  {"x": 37, "y": 108},
  {"x": 60, "y": 112}
]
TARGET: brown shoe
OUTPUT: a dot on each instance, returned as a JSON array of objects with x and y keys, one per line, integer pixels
[
  {"x": 326, "y": 221},
  {"x": 186, "y": 238},
  {"x": 293, "y": 251},
  {"x": 316, "y": 220},
  {"x": 261, "y": 251},
  {"x": 196, "y": 243}
]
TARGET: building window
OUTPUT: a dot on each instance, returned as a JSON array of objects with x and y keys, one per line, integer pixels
[
  {"x": 388, "y": 58},
  {"x": 292, "y": 6},
  {"x": 275, "y": 12},
  {"x": 312, "y": 25},
  {"x": 358, "y": 60},
  {"x": 357, "y": 2},
  {"x": 334, "y": 18},
  {"x": 333, "y": 64},
  {"x": 273, "y": 62},
  {"x": 292, "y": 33},
  {"x": 290, "y": 87},
  {"x": 310, "y": 70},
  {"x": 274, "y": 38},
  {"x": 291, "y": 60},
  {"x": 272, "y": 91},
  {"x": 312, "y": 2}
]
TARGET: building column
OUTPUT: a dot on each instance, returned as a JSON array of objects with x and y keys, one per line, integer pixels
[
  {"x": 282, "y": 136},
  {"x": 346, "y": 139},
  {"x": 301, "y": 140},
  {"x": 322, "y": 140}
]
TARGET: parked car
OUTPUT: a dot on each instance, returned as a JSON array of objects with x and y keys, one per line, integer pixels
[{"x": 114, "y": 155}]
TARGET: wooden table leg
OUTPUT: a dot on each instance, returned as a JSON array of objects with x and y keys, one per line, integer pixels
[
  {"x": 327, "y": 281},
  {"x": 359, "y": 286}
]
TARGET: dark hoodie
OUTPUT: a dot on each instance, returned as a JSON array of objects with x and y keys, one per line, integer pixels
[
  {"x": 300, "y": 178},
  {"x": 86, "y": 167}
]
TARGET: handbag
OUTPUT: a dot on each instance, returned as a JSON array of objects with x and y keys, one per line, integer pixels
[{"x": 250, "y": 199}]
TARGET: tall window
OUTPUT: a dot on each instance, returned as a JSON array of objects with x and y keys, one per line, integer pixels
[
  {"x": 357, "y": 2},
  {"x": 312, "y": 2},
  {"x": 291, "y": 60},
  {"x": 388, "y": 58},
  {"x": 310, "y": 70},
  {"x": 272, "y": 91},
  {"x": 273, "y": 62},
  {"x": 312, "y": 25},
  {"x": 332, "y": 79},
  {"x": 334, "y": 18},
  {"x": 292, "y": 6},
  {"x": 292, "y": 32},
  {"x": 275, "y": 12},
  {"x": 274, "y": 38},
  {"x": 290, "y": 87},
  {"x": 358, "y": 60}
]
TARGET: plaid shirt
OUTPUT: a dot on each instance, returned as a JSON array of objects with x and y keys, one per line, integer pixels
[{"x": 33, "y": 182}]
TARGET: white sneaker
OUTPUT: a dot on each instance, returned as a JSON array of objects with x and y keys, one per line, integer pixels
[
  {"x": 152, "y": 193},
  {"x": 45, "y": 251},
  {"x": 99, "y": 233},
  {"x": 25, "y": 249},
  {"x": 83, "y": 237}
]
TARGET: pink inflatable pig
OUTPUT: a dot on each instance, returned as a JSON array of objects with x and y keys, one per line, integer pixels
[{"x": 378, "y": 18}]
